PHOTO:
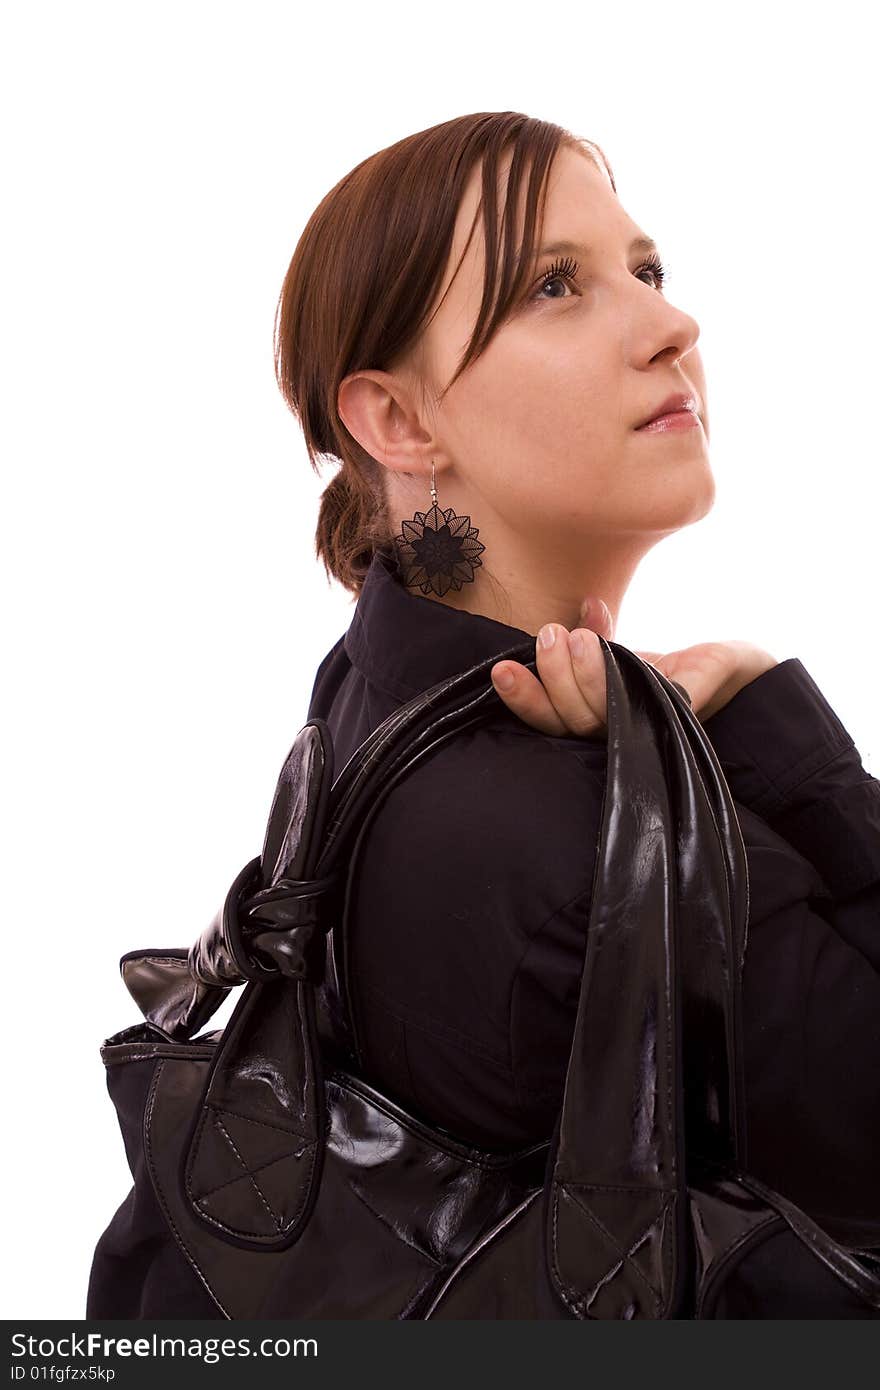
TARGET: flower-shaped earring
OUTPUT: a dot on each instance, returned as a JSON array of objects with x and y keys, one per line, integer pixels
[{"x": 438, "y": 550}]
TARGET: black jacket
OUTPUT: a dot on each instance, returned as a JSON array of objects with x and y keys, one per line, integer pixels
[
  {"x": 469, "y": 916},
  {"x": 470, "y": 912}
]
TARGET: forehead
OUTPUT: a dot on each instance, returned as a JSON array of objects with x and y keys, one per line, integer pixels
[{"x": 581, "y": 206}]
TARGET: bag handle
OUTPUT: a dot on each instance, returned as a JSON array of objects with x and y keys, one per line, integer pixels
[
  {"x": 616, "y": 1253},
  {"x": 661, "y": 965}
]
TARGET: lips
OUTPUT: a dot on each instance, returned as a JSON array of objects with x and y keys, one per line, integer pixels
[{"x": 680, "y": 401}]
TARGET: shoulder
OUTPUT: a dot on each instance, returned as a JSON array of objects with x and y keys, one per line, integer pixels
[
  {"x": 478, "y": 844},
  {"x": 463, "y": 862},
  {"x": 500, "y": 794},
  {"x": 329, "y": 675}
]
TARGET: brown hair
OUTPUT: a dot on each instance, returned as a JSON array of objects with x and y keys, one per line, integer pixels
[{"x": 365, "y": 271}]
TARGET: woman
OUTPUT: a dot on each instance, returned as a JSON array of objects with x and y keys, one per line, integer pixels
[
  {"x": 514, "y": 362},
  {"x": 471, "y": 317}
]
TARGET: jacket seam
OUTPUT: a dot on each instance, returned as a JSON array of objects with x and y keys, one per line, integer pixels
[
  {"x": 528, "y": 945},
  {"x": 433, "y": 1027},
  {"x": 808, "y": 767},
  {"x": 777, "y": 792}
]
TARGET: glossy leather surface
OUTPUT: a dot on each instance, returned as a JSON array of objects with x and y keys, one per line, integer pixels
[
  {"x": 296, "y": 1195},
  {"x": 394, "y": 1254}
]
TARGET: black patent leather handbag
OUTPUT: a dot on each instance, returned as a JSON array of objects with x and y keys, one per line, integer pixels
[{"x": 296, "y": 1189}]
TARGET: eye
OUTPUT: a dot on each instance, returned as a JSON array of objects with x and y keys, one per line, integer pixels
[
  {"x": 559, "y": 270},
  {"x": 655, "y": 266},
  {"x": 567, "y": 270}
]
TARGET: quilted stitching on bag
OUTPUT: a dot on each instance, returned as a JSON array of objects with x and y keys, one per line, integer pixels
[
  {"x": 255, "y": 1148},
  {"x": 627, "y": 1259}
]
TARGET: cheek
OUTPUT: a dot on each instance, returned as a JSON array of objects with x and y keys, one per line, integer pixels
[
  {"x": 540, "y": 437},
  {"x": 550, "y": 400}
]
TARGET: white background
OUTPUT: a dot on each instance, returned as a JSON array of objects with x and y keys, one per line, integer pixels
[{"x": 164, "y": 610}]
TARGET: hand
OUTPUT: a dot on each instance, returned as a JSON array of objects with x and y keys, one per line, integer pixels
[{"x": 570, "y": 696}]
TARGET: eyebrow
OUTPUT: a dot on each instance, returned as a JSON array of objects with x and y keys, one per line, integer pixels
[{"x": 639, "y": 243}]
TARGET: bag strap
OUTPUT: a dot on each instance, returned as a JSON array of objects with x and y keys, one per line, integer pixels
[
  {"x": 623, "y": 1251},
  {"x": 660, "y": 965}
]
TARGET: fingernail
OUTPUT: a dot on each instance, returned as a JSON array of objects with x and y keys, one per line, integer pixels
[
  {"x": 547, "y": 635},
  {"x": 504, "y": 678},
  {"x": 576, "y": 643}
]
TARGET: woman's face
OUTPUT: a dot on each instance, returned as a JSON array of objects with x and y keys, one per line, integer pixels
[{"x": 538, "y": 437}]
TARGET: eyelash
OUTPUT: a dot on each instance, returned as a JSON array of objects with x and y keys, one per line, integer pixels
[{"x": 568, "y": 269}]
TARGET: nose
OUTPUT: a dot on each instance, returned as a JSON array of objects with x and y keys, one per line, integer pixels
[{"x": 669, "y": 332}]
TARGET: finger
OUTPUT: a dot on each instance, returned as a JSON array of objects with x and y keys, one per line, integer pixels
[
  {"x": 703, "y": 672},
  {"x": 575, "y": 684},
  {"x": 703, "y": 692},
  {"x": 596, "y": 615},
  {"x": 526, "y": 697},
  {"x": 656, "y": 659}
]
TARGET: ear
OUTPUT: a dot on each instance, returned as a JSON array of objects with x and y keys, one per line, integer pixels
[{"x": 380, "y": 412}]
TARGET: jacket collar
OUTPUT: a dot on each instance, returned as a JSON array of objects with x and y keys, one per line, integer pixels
[{"x": 404, "y": 643}]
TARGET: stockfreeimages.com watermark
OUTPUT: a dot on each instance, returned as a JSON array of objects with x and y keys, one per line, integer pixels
[{"x": 93, "y": 1345}]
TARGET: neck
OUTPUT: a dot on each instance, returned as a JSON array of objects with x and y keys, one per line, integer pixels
[{"x": 528, "y": 589}]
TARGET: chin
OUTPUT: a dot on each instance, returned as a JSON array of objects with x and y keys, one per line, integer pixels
[
  {"x": 704, "y": 495},
  {"x": 691, "y": 500}
]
